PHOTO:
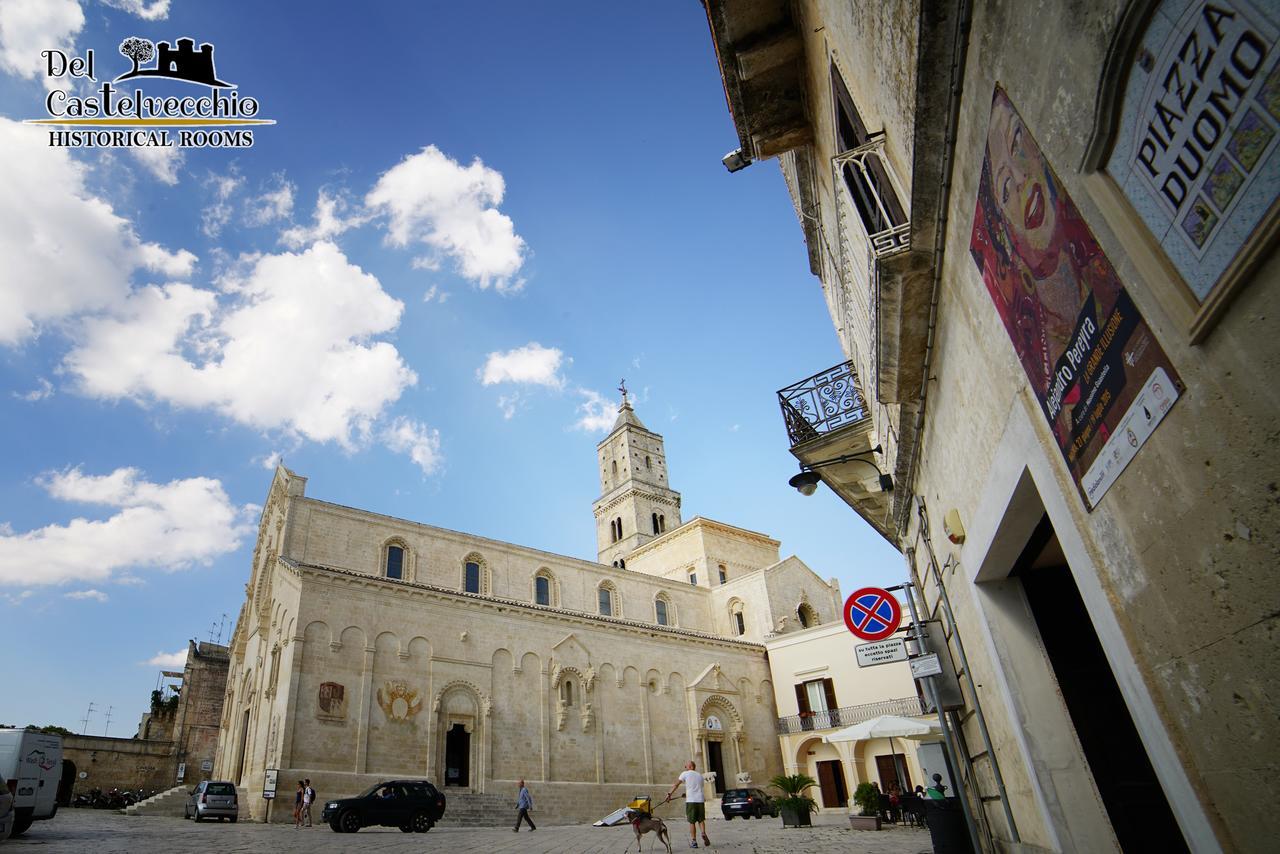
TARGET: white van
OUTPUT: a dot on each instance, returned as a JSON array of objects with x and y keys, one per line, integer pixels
[{"x": 30, "y": 768}]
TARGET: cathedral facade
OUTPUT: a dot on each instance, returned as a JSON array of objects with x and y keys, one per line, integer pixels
[{"x": 370, "y": 647}]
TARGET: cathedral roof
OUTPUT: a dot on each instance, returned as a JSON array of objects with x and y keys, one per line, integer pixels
[{"x": 627, "y": 416}]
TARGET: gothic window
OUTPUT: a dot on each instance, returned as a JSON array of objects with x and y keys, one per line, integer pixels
[
  {"x": 662, "y": 610},
  {"x": 724, "y": 573},
  {"x": 393, "y": 560},
  {"x": 622, "y": 563},
  {"x": 807, "y": 616},
  {"x": 607, "y": 600},
  {"x": 619, "y": 522},
  {"x": 475, "y": 574},
  {"x": 864, "y": 186},
  {"x": 544, "y": 587},
  {"x": 615, "y": 469},
  {"x": 662, "y": 523},
  {"x": 566, "y": 692},
  {"x": 655, "y": 524},
  {"x": 737, "y": 618}
]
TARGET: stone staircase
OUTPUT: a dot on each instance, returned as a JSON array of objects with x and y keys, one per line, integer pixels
[
  {"x": 169, "y": 803},
  {"x": 472, "y": 809}
]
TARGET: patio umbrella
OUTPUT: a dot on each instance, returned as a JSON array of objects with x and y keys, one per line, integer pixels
[{"x": 890, "y": 727}]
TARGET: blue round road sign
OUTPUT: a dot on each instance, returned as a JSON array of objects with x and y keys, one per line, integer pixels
[{"x": 872, "y": 613}]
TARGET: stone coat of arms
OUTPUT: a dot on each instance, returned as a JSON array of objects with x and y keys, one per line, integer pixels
[
  {"x": 399, "y": 702},
  {"x": 332, "y": 701}
]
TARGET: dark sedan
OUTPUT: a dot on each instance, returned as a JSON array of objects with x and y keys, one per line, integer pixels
[
  {"x": 747, "y": 803},
  {"x": 414, "y": 806}
]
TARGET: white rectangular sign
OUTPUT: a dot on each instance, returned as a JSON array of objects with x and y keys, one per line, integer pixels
[
  {"x": 926, "y": 665},
  {"x": 269, "y": 783},
  {"x": 881, "y": 652},
  {"x": 1147, "y": 410}
]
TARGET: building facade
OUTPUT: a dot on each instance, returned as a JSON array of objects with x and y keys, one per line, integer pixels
[
  {"x": 371, "y": 647},
  {"x": 1045, "y": 233}
]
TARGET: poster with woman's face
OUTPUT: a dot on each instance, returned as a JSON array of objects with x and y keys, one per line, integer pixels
[{"x": 1088, "y": 354}]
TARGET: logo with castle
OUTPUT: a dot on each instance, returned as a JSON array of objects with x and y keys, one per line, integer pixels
[{"x": 181, "y": 63}]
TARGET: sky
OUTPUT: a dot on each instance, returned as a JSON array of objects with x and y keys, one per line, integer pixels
[{"x": 420, "y": 288}]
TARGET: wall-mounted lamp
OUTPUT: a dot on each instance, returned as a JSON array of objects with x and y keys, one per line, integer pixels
[{"x": 806, "y": 482}]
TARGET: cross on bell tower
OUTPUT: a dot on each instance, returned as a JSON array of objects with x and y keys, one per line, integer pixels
[{"x": 636, "y": 504}]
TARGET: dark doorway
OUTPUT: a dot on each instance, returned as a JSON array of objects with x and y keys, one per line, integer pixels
[
  {"x": 715, "y": 762},
  {"x": 244, "y": 747},
  {"x": 66, "y": 783},
  {"x": 1135, "y": 801},
  {"x": 831, "y": 782},
  {"x": 892, "y": 768},
  {"x": 457, "y": 756}
]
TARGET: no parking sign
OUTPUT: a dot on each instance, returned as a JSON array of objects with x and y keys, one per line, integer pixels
[{"x": 872, "y": 613}]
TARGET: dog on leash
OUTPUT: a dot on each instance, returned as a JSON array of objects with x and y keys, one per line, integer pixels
[{"x": 642, "y": 824}]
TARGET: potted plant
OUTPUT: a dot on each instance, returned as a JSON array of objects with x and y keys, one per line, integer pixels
[
  {"x": 794, "y": 804},
  {"x": 868, "y": 801}
]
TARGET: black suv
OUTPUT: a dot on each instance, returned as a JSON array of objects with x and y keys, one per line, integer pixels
[
  {"x": 414, "y": 806},
  {"x": 747, "y": 803}
]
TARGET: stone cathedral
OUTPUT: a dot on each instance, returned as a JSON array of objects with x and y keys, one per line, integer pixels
[{"x": 370, "y": 647}]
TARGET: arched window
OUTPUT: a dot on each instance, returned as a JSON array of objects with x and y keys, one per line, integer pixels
[
  {"x": 807, "y": 616},
  {"x": 656, "y": 530},
  {"x": 662, "y": 523},
  {"x": 566, "y": 692},
  {"x": 693, "y": 579},
  {"x": 615, "y": 469},
  {"x": 475, "y": 574},
  {"x": 647, "y": 464},
  {"x": 607, "y": 600},
  {"x": 541, "y": 589},
  {"x": 662, "y": 610},
  {"x": 736, "y": 618},
  {"x": 618, "y": 522},
  {"x": 724, "y": 573},
  {"x": 622, "y": 563}
]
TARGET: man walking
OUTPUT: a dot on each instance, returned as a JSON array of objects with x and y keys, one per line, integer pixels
[
  {"x": 308, "y": 798},
  {"x": 695, "y": 807},
  {"x": 524, "y": 803}
]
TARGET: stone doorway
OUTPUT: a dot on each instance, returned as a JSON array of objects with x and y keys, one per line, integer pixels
[
  {"x": 457, "y": 756},
  {"x": 715, "y": 762}
]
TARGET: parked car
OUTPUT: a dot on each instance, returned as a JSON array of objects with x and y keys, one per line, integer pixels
[
  {"x": 212, "y": 799},
  {"x": 414, "y": 806},
  {"x": 747, "y": 803}
]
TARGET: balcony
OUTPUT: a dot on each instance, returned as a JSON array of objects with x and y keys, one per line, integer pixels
[
  {"x": 849, "y": 715},
  {"x": 821, "y": 404}
]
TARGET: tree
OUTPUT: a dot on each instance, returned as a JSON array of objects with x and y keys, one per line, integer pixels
[{"x": 138, "y": 50}]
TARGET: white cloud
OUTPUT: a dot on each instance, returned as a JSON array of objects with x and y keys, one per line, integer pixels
[
  {"x": 435, "y": 293},
  {"x": 217, "y": 213},
  {"x": 16, "y": 598},
  {"x": 65, "y": 250},
  {"x": 420, "y": 442},
  {"x": 275, "y": 204},
  {"x": 45, "y": 390},
  {"x": 596, "y": 412},
  {"x": 270, "y": 461},
  {"x": 96, "y": 595},
  {"x": 531, "y": 364},
  {"x": 160, "y": 161},
  {"x": 168, "y": 660},
  {"x": 285, "y": 347},
  {"x": 329, "y": 220},
  {"x": 167, "y": 526},
  {"x": 509, "y": 403},
  {"x": 156, "y": 10},
  {"x": 28, "y": 27},
  {"x": 452, "y": 209}
]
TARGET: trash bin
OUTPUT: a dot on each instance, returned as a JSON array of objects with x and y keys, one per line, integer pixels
[{"x": 947, "y": 829}]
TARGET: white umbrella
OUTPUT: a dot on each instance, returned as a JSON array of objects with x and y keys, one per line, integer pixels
[{"x": 890, "y": 727}]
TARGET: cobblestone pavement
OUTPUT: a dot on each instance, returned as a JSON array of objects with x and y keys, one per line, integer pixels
[{"x": 85, "y": 831}]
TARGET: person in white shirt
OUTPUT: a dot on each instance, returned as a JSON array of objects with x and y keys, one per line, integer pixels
[{"x": 695, "y": 807}]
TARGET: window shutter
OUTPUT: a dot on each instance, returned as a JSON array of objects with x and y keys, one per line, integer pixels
[
  {"x": 829, "y": 688},
  {"x": 802, "y": 699}
]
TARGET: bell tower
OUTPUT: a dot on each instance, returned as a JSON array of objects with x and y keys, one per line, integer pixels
[{"x": 636, "y": 504}]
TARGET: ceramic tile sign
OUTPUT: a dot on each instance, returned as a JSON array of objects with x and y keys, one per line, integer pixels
[
  {"x": 1086, "y": 350},
  {"x": 1196, "y": 147}
]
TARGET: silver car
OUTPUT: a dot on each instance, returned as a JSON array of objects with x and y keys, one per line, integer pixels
[{"x": 212, "y": 799}]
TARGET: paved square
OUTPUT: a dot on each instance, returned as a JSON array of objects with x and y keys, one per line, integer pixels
[{"x": 82, "y": 831}]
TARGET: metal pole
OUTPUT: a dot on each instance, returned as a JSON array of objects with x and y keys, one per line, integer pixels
[
  {"x": 948, "y": 738},
  {"x": 968, "y": 675}
]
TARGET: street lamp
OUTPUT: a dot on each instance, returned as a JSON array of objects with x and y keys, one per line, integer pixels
[{"x": 806, "y": 482}]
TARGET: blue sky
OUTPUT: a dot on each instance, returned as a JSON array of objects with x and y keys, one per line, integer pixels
[{"x": 421, "y": 287}]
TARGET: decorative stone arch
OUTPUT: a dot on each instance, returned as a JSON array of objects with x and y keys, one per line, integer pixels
[
  {"x": 668, "y": 610},
  {"x": 732, "y": 719},
  {"x": 807, "y": 615},
  {"x": 461, "y": 703},
  {"x": 615, "y": 598},
  {"x": 718, "y": 707},
  {"x": 484, "y": 573},
  {"x": 406, "y": 558},
  {"x": 553, "y": 587},
  {"x": 737, "y": 616}
]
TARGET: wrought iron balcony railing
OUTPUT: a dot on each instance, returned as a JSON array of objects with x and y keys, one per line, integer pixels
[
  {"x": 850, "y": 715},
  {"x": 875, "y": 193},
  {"x": 822, "y": 403}
]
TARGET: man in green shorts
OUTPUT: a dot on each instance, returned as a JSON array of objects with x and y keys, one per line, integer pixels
[{"x": 695, "y": 807}]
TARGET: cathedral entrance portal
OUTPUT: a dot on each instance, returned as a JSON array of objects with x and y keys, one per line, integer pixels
[
  {"x": 715, "y": 762},
  {"x": 457, "y": 756}
]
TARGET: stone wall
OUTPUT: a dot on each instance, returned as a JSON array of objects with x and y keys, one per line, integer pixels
[{"x": 120, "y": 763}]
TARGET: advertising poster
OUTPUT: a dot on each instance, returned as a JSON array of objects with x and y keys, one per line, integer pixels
[{"x": 1100, "y": 376}]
